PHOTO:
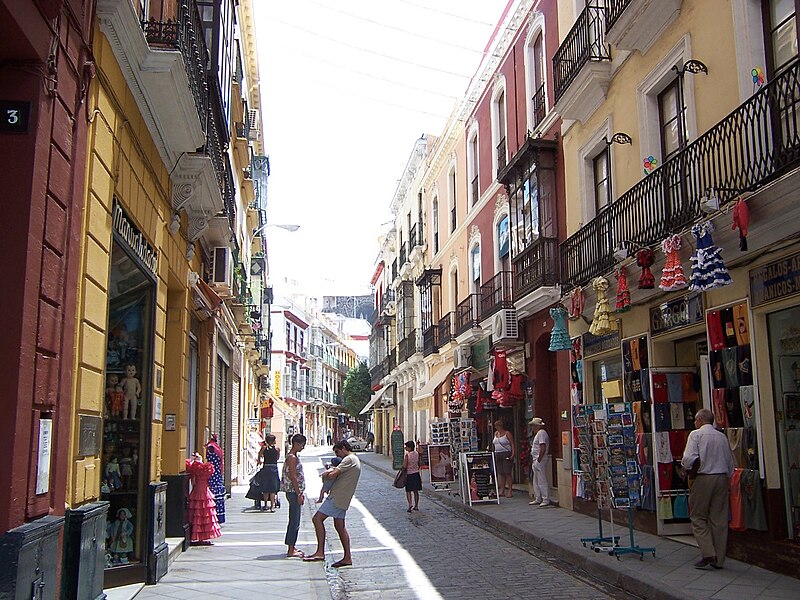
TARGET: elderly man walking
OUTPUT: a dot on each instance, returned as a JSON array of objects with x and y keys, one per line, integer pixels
[
  {"x": 708, "y": 498},
  {"x": 345, "y": 478}
]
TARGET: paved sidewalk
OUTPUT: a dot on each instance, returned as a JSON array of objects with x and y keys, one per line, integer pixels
[
  {"x": 249, "y": 560},
  {"x": 669, "y": 576}
]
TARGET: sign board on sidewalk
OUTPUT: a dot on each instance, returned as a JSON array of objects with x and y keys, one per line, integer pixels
[
  {"x": 479, "y": 478},
  {"x": 398, "y": 452},
  {"x": 440, "y": 459}
]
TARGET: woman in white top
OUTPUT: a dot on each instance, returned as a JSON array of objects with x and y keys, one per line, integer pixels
[
  {"x": 413, "y": 478},
  {"x": 504, "y": 457}
]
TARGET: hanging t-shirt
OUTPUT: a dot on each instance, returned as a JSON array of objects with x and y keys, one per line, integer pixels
[
  {"x": 502, "y": 379},
  {"x": 731, "y": 366},
  {"x": 718, "y": 405},
  {"x": 637, "y": 416},
  {"x": 677, "y": 442},
  {"x": 637, "y": 365},
  {"x": 676, "y": 416},
  {"x": 663, "y": 422},
  {"x": 648, "y": 501},
  {"x": 665, "y": 507},
  {"x": 752, "y": 501},
  {"x": 689, "y": 387},
  {"x": 728, "y": 327},
  {"x": 665, "y": 477},
  {"x": 689, "y": 411},
  {"x": 733, "y": 408},
  {"x": 744, "y": 365},
  {"x": 662, "y": 446},
  {"x": 735, "y": 435},
  {"x": 680, "y": 508},
  {"x": 660, "y": 394},
  {"x": 715, "y": 334},
  {"x": 747, "y": 399},
  {"x": 741, "y": 324},
  {"x": 735, "y": 494},
  {"x": 717, "y": 368},
  {"x": 644, "y": 377},
  {"x": 675, "y": 387}
]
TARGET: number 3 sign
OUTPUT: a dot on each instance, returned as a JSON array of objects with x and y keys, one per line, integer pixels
[{"x": 14, "y": 116}]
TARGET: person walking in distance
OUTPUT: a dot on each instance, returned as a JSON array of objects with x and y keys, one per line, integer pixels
[
  {"x": 708, "y": 496},
  {"x": 293, "y": 484},
  {"x": 413, "y": 478},
  {"x": 345, "y": 478},
  {"x": 540, "y": 461}
]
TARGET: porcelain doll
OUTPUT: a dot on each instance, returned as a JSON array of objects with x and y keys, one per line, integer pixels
[
  {"x": 132, "y": 390},
  {"x": 120, "y": 536},
  {"x": 126, "y": 467},
  {"x": 113, "y": 475},
  {"x": 115, "y": 397}
]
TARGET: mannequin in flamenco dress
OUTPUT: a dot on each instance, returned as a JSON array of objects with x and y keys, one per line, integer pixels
[
  {"x": 602, "y": 322},
  {"x": 202, "y": 513},
  {"x": 559, "y": 337},
  {"x": 672, "y": 277},
  {"x": 623, "y": 293},
  {"x": 645, "y": 259},
  {"x": 708, "y": 268},
  {"x": 216, "y": 484}
]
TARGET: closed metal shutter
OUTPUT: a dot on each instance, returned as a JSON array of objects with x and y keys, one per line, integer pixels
[{"x": 235, "y": 447}]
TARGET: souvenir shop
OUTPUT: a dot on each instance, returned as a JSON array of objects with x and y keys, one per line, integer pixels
[
  {"x": 665, "y": 356},
  {"x": 125, "y": 464}
]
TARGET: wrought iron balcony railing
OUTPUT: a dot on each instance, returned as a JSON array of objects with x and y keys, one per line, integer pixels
[
  {"x": 496, "y": 294},
  {"x": 467, "y": 314},
  {"x": 614, "y": 10},
  {"x": 430, "y": 340},
  {"x": 178, "y": 26},
  {"x": 536, "y": 266},
  {"x": 446, "y": 329},
  {"x": 407, "y": 347},
  {"x": 755, "y": 144},
  {"x": 412, "y": 238},
  {"x": 584, "y": 42},
  {"x": 539, "y": 105},
  {"x": 501, "y": 154},
  {"x": 403, "y": 254},
  {"x": 394, "y": 269}
]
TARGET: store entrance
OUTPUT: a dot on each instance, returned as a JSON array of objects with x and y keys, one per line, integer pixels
[
  {"x": 126, "y": 429},
  {"x": 784, "y": 344}
]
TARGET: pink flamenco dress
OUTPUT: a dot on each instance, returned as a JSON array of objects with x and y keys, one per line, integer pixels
[
  {"x": 672, "y": 277},
  {"x": 202, "y": 508}
]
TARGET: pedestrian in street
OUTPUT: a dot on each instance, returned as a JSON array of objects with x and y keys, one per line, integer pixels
[
  {"x": 540, "y": 461},
  {"x": 294, "y": 486},
  {"x": 708, "y": 496},
  {"x": 330, "y": 437},
  {"x": 266, "y": 480},
  {"x": 345, "y": 478},
  {"x": 370, "y": 441},
  {"x": 413, "y": 478},
  {"x": 503, "y": 457}
]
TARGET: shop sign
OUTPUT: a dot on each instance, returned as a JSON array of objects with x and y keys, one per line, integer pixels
[
  {"x": 134, "y": 238},
  {"x": 43, "y": 456},
  {"x": 89, "y": 436},
  {"x": 597, "y": 344},
  {"x": 676, "y": 314},
  {"x": 775, "y": 281},
  {"x": 276, "y": 383}
]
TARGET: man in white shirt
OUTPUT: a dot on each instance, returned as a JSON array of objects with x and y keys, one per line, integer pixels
[
  {"x": 345, "y": 478},
  {"x": 708, "y": 498},
  {"x": 540, "y": 459}
]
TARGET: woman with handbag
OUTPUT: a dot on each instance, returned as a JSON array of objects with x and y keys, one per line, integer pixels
[
  {"x": 504, "y": 457},
  {"x": 413, "y": 478}
]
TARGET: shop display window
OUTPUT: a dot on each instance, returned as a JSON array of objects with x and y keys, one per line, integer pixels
[{"x": 126, "y": 428}]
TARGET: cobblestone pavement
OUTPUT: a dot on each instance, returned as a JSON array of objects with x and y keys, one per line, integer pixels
[{"x": 439, "y": 552}]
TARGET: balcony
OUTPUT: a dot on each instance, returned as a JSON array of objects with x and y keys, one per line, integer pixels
[
  {"x": 467, "y": 314},
  {"x": 394, "y": 269},
  {"x": 754, "y": 145},
  {"x": 407, "y": 347},
  {"x": 403, "y": 255},
  {"x": 164, "y": 61},
  {"x": 430, "y": 340},
  {"x": 582, "y": 65},
  {"x": 412, "y": 237},
  {"x": 636, "y": 24},
  {"x": 501, "y": 154},
  {"x": 446, "y": 329},
  {"x": 539, "y": 106},
  {"x": 496, "y": 294}
]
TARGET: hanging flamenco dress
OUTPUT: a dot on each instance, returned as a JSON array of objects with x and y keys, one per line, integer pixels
[
  {"x": 623, "y": 293},
  {"x": 602, "y": 322},
  {"x": 216, "y": 484},
  {"x": 202, "y": 510},
  {"x": 576, "y": 303},
  {"x": 645, "y": 259},
  {"x": 672, "y": 277},
  {"x": 708, "y": 268},
  {"x": 559, "y": 338}
]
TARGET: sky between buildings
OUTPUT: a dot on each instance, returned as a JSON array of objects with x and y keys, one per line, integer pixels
[{"x": 347, "y": 87}]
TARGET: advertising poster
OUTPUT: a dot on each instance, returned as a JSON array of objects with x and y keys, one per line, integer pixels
[
  {"x": 480, "y": 478},
  {"x": 440, "y": 459}
]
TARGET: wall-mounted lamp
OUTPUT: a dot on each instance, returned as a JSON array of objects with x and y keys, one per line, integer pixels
[
  {"x": 617, "y": 138},
  {"x": 693, "y": 66},
  {"x": 289, "y": 227},
  {"x": 190, "y": 251},
  {"x": 174, "y": 223}
]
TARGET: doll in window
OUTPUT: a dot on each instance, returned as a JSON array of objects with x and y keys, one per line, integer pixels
[{"x": 132, "y": 391}]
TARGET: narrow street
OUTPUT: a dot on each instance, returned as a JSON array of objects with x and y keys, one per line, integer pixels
[{"x": 438, "y": 552}]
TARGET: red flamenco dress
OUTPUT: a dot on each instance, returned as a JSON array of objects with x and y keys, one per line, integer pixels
[{"x": 202, "y": 511}]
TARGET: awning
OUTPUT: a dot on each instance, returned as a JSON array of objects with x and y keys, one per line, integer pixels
[
  {"x": 375, "y": 397},
  {"x": 434, "y": 382}
]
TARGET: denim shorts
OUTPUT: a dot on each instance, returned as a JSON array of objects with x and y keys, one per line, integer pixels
[{"x": 329, "y": 509}]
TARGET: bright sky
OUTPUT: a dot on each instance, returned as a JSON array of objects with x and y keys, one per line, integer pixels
[{"x": 347, "y": 87}]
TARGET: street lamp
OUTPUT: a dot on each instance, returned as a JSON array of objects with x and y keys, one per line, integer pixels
[{"x": 290, "y": 228}]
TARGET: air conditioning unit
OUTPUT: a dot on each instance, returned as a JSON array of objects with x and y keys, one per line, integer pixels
[
  {"x": 461, "y": 357},
  {"x": 505, "y": 326},
  {"x": 253, "y": 121},
  {"x": 222, "y": 270}
]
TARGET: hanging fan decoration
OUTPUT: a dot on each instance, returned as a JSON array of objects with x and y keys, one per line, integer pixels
[
  {"x": 672, "y": 277},
  {"x": 602, "y": 322},
  {"x": 559, "y": 338},
  {"x": 708, "y": 268},
  {"x": 645, "y": 259},
  {"x": 577, "y": 302},
  {"x": 623, "y": 293}
]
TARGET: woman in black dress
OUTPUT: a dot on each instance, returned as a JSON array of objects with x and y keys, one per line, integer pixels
[{"x": 266, "y": 483}]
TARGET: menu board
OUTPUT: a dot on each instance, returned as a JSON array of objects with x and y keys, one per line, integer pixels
[
  {"x": 479, "y": 481},
  {"x": 398, "y": 449}
]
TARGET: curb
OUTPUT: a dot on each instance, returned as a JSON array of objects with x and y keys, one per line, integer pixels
[{"x": 579, "y": 560}]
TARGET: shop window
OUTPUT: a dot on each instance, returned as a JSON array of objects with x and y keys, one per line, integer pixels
[{"x": 126, "y": 429}]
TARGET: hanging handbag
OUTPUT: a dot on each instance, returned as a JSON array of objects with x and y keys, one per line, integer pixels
[{"x": 400, "y": 478}]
